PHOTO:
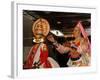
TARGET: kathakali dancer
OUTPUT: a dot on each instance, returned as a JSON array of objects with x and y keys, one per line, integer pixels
[
  {"x": 38, "y": 54},
  {"x": 81, "y": 47},
  {"x": 78, "y": 49}
]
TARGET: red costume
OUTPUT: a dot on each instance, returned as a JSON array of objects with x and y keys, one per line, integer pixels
[{"x": 38, "y": 58}]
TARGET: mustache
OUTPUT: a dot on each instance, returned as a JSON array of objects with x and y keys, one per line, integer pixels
[{"x": 41, "y": 34}]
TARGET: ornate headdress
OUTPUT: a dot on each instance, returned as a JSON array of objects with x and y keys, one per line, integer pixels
[
  {"x": 84, "y": 34},
  {"x": 45, "y": 27}
]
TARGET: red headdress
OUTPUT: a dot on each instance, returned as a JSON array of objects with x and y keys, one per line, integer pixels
[{"x": 84, "y": 34}]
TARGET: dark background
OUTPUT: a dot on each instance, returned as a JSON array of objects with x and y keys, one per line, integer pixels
[{"x": 63, "y": 21}]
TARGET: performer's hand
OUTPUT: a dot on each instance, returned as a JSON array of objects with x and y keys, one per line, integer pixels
[
  {"x": 62, "y": 49},
  {"x": 51, "y": 38}
]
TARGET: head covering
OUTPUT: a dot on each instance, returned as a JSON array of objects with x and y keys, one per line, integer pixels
[
  {"x": 40, "y": 30},
  {"x": 84, "y": 34}
]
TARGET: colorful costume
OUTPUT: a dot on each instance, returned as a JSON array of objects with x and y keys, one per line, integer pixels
[
  {"x": 38, "y": 54},
  {"x": 83, "y": 48},
  {"x": 38, "y": 58},
  {"x": 78, "y": 50}
]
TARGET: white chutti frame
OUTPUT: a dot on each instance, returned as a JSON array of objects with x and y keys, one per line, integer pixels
[{"x": 17, "y": 40}]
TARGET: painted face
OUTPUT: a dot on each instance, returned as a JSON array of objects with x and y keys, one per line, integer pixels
[
  {"x": 76, "y": 32},
  {"x": 39, "y": 29}
]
